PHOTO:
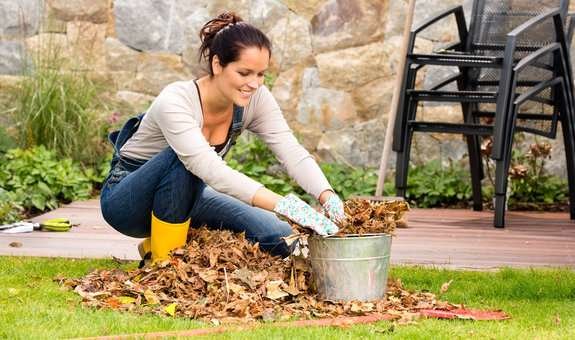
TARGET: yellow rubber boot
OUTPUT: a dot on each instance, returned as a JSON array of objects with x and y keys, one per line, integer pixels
[
  {"x": 166, "y": 237},
  {"x": 145, "y": 247}
]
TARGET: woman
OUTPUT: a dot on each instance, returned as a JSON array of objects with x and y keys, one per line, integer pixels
[{"x": 168, "y": 171}]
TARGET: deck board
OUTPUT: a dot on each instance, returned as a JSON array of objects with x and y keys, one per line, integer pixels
[{"x": 451, "y": 238}]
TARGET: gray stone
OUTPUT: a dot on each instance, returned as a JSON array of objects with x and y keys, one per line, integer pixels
[
  {"x": 194, "y": 23},
  {"x": 291, "y": 41},
  {"x": 287, "y": 90},
  {"x": 373, "y": 99},
  {"x": 346, "y": 23},
  {"x": 266, "y": 14},
  {"x": 429, "y": 146},
  {"x": 19, "y": 18},
  {"x": 95, "y": 11},
  {"x": 150, "y": 25},
  {"x": 323, "y": 108},
  {"x": 86, "y": 41},
  {"x": 120, "y": 57},
  {"x": 358, "y": 145},
  {"x": 155, "y": 71},
  {"x": 350, "y": 68},
  {"x": 12, "y": 59},
  {"x": 307, "y": 9}
]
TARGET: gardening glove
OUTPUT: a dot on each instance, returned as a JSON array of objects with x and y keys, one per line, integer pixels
[
  {"x": 296, "y": 210},
  {"x": 333, "y": 208}
]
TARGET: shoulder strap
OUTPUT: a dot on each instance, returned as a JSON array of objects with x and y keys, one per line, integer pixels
[{"x": 236, "y": 124}]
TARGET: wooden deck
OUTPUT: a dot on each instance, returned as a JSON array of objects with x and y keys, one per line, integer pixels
[{"x": 439, "y": 237}]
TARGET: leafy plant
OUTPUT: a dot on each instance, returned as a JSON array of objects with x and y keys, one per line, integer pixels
[
  {"x": 270, "y": 79},
  {"x": 529, "y": 181},
  {"x": 10, "y": 208},
  {"x": 530, "y": 186},
  {"x": 432, "y": 185},
  {"x": 42, "y": 180},
  {"x": 6, "y": 140},
  {"x": 253, "y": 158},
  {"x": 348, "y": 181},
  {"x": 55, "y": 106}
]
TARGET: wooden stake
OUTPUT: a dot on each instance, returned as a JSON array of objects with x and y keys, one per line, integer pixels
[{"x": 394, "y": 100}]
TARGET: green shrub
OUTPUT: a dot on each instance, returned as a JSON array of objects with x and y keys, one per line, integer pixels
[
  {"x": 348, "y": 181},
  {"x": 10, "y": 208},
  {"x": 253, "y": 158},
  {"x": 42, "y": 180},
  {"x": 6, "y": 140},
  {"x": 432, "y": 185},
  {"x": 55, "y": 106},
  {"x": 530, "y": 183}
]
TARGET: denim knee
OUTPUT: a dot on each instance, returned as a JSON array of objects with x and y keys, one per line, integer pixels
[
  {"x": 271, "y": 238},
  {"x": 176, "y": 193}
]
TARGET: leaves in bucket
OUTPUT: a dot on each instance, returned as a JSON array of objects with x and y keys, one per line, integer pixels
[{"x": 367, "y": 217}]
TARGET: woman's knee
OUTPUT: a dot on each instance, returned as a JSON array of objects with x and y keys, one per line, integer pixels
[{"x": 270, "y": 236}]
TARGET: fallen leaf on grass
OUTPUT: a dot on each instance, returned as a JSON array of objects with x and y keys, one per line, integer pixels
[
  {"x": 445, "y": 287},
  {"x": 171, "y": 309},
  {"x": 460, "y": 313}
]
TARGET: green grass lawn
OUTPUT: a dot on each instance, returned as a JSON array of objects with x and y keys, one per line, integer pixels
[{"x": 541, "y": 303}]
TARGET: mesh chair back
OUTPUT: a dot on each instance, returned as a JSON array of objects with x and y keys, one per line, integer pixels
[{"x": 491, "y": 21}]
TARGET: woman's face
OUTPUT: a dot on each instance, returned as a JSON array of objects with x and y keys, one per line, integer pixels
[{"x": 239, "y": 80}]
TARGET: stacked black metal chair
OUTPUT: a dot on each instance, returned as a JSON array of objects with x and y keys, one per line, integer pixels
[{"x": 514, "y": 74}]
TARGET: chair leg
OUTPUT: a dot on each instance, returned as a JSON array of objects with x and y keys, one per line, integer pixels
[
  {"x": 569, "y": 144},
  {"x": 402, "y": 160},
  {"x": 501, "y": 178},
  {"x": 403, "y": 103},
  {"x": 475, "y": 168},
  {"x": 501, "y": 171},
  {"x": 402, "y": 165}
]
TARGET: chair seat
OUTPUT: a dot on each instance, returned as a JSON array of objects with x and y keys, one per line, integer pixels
[
  {"x": 453, "y": 96},
  {"x": 464, "y": 129},
  {"x": 456, "y": 59}
]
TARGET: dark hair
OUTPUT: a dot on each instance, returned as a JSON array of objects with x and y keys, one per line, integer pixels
[{"x": 226, "y": 36}]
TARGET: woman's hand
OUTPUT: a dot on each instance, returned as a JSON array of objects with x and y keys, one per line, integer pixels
[
  {"x": 296, "y": 210},
  {"x": 332, "y": 206}
]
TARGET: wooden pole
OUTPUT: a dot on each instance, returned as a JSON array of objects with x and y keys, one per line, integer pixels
[{"x": 394, "y": 99}]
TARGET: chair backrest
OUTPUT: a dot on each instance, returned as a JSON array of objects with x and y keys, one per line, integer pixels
[{"x": 491, "y": 20}]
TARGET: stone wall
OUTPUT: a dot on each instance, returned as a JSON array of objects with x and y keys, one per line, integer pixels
[{"x": 334, "y": 60}]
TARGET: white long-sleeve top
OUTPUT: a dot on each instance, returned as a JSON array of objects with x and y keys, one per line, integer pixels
[{"x": 175, "y": 119}]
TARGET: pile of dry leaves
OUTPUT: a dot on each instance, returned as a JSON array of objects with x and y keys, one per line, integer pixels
[{"x": 222, "y": 277}]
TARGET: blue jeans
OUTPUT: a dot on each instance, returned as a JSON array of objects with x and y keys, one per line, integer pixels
[{"x": 163, "y": 185}]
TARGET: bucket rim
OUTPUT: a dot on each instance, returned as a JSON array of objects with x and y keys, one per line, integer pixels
[{"x": 348, "y": 237}]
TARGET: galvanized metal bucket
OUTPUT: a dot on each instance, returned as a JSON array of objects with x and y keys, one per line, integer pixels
[{"x": 350, "y": 267}]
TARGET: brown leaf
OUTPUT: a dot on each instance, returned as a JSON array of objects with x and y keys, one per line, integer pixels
[
  {"x": 151, "y": 297},
  {"x": 246, "y": 276},
  {"x": 208, "y": 275},
  {"x": 273, "y": 290},
  {"x": 445, "y": 287}
]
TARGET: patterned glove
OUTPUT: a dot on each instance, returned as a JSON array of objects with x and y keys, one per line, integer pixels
[
  {"x": 333, "y": 207},
  {"x": 301, "y": 213}
]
